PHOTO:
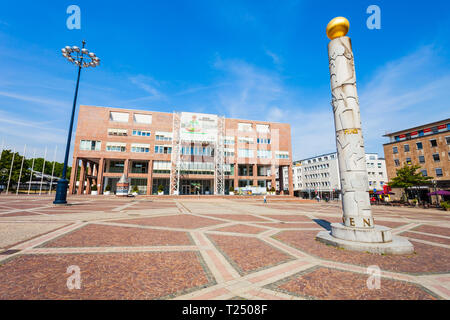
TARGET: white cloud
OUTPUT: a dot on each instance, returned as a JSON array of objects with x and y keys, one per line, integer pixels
[
  {"x": 275, "y": 58},
  {"x": 147, "y": 84},
  {"x": 39, "y": 100}
]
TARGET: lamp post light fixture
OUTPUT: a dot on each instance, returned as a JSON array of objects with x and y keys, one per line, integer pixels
[{"x": 82, "y": 58}]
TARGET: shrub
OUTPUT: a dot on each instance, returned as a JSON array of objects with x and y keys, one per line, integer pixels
[
  {"x": 108, "y": 188},
  {"x": 160, "y": 188},
  {"x": 231, "y": 189},
  {"x": 272, "y": 189},
  {"x": 135, "y": 189},
  {"x": 94, "y": 187},
  {"x": 445, "y": 205}
]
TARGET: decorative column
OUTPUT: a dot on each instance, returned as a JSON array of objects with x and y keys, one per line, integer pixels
[
  {"x": 89, "y": 179},
  {"x": 357, "y": 232},
  {"x": 100, "y": 170},
  {"x": 255, "y": 175},
  {"x": 82, "y": 177},
  {"x": 150, "y": 177}
]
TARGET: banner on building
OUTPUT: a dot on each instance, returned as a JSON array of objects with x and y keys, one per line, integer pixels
[{"x": 198, "y": 127}]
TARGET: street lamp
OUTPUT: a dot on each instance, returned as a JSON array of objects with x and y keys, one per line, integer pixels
[{"x": 82, "y": 58}]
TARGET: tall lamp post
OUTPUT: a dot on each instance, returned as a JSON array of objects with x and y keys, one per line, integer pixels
[{"x": 82, "y": 58}]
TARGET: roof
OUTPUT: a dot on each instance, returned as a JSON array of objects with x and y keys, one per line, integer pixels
[{"x": 417, "y": 127}]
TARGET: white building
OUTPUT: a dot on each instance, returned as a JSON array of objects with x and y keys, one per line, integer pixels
[{"x": 320, "y": 175}]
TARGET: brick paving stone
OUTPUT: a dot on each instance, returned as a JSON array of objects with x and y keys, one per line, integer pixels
[
  {"x": 390, "y": 224},
  {"x": 242, "y": 228},
  {"x": 426, "y": 259},
  {"x": 248, "y": 255},
  {"x": 289, "y": 218},
  {"x": 328, "y": 284},
  {"x": 433, "y": 229},
  {"x": 164, "y": 272},
  {"x": 425, "y": 237},
  {"x": 94, "y": 235},
  {"x": 118, "y": 276},
  {"x": 18, "y": 214},
  {"x": 236, "y": 217},
  {"x": 183, "y": 221},
  {"x": 285, "y": 225}
]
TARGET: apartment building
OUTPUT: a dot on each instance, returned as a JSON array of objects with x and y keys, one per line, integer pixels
[
  {"x": 182, "y": 153},
  {"x": 320, "y": 175}
]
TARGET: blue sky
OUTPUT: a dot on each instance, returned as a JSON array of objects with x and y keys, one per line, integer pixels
[{"x": 264, "y": 60}]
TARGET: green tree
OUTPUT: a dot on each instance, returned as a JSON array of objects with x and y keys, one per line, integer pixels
[
  {"x": 408, "y": 177},
  {"x": 5, "y": 167}
]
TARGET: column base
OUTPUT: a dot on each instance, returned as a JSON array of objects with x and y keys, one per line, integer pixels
[
  {"x": 375, "y": 240},
  {"x": 377, "y": 234}
]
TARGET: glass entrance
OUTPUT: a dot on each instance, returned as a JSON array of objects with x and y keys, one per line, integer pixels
[{"x": 185, "y": 189}]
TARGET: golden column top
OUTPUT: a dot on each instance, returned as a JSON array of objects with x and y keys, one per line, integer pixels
[{"x": 338, "y": 27}]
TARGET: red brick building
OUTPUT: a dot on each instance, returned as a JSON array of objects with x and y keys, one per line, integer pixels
[
  {"x": 182, "y": 153},
  {"x": 427, "y": 145}
]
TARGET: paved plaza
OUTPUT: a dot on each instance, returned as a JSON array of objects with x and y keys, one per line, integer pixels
[{"x": 209, "y": 248}]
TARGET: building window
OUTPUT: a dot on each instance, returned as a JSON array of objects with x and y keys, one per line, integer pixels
[
  {"x": 433, "y": 143},
  {"x": 116, "y": 166},
  {"x": 117, "y": 132},
  {"x": 447, "y": 139},
  {"x": 163, "y": 136},
  {"x": 139, "y": 167},
  {"x": 228, "y": 140},
  {"x": 419, "y": 145},
  {"x": 263, "y": 141},
  {"x": 140, "y": 148},
  {"x": 262, "y": 128},
  {"x": 245, "y": 140},
  {"x": 395, "y": 150},
  {"x": 436, "y": 157},
  {"x": 282, "y": 155},
  {"x": 199, "y": 151},
  {"x": 265, "y": 154},
  {"x": 424, "y": 173},
  {"x": 141, "y": 133},
  {"x": 115, "y": 147},
  {"x": 397, "y": 162},
  {"x": 118, "y": 116},
  {"x": 142, "y": 118},
  {"x": 244, "y": 126},
  {"x": 421, "y": 159},
  {"x": 89, "y": 145},
  {"x": 406, "y": 147},
  {"x": 163, "y": 149},
  {"x": 245, "y": 153},
  {"x": 439, "y": 172},
  {"x": 408, "y": 160}
]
